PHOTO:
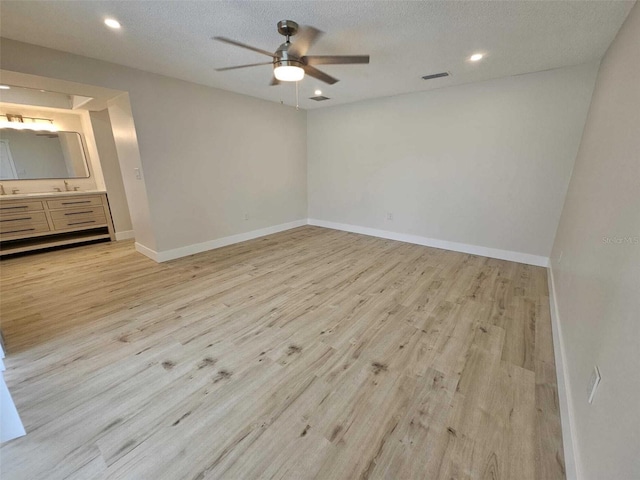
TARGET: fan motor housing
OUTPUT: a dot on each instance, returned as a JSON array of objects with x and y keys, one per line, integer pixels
[
  {"x": 283, "y": 53},
  {"x": 287, "y": 63}
]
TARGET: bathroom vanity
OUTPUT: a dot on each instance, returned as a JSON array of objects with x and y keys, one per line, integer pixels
[{"x": 42, "y": 220}]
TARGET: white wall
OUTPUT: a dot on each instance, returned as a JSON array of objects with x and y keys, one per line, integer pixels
[
  {"x": 110, "y": 164},
  {"x": 209, "y": 156},
  {"x": 126, "y": 141},
  {"x": 484, "y": 164},
  {"x": 597, "y": 280}
]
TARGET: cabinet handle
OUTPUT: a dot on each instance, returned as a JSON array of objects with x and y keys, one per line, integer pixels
[
  {"x": 74, "y": 203},
  {"x": 15, "y": 219},
  {"x": 79, "y": 213},
  {"x": 81, "y": 223},
  {"x": 12, "y": 208},
  {"x": 18, "y": 231}
]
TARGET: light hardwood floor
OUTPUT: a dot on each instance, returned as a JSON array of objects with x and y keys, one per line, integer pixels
[{"x": 311, "y": 353}]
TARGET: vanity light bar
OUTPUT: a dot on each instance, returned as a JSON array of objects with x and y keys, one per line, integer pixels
[{"x": 17, "y": 122}]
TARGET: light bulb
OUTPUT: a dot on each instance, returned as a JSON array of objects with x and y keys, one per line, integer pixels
[
  {"x": 112, "y": 23},
  {"x": 40, "y": 127},
  {"x": 288, "y": 73}
]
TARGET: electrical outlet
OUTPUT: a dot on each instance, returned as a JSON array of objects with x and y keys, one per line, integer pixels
[
  {"x": 594, "y": 381},
  {"x": 137, "y": 173},
  {"x": 389, "y": 216}
]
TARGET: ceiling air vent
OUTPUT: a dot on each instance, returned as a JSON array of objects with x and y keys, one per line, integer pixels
[
  {"x": 319, "y": 98},
  {"x": 435, "y": 75}
]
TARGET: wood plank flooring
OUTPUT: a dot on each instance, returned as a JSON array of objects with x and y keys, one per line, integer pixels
[{"x": 312, "y": 353}]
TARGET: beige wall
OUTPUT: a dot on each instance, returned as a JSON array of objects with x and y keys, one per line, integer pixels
[
  {"x": 106, "y": 145},
  {"x": 484, "y": 164},
  {"x": 597, "y": 279},
  {"x": 209, "y": 157}
]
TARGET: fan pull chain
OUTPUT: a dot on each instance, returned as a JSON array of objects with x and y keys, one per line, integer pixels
[{"x": 297, "y": 107}]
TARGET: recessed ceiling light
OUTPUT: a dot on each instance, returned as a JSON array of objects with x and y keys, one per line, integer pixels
[
  {"x": 4, "y": 87},
  {"x": 112, "y": 23},
  {"x": 318, "y": 92},
  {"x": 475, "y": 57}
]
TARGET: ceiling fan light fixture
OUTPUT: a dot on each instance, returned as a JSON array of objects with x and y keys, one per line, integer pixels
[
  {"x": 290, "y": 61},
  {"x": 288, "y": 71}
]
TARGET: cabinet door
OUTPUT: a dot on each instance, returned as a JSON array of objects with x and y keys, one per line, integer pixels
[
  {"x": 10, "y": 207},
  {"x": 74, "y": 201},
  {"x": 78, "y": 218},
  {"x": 22, "y": 224}
]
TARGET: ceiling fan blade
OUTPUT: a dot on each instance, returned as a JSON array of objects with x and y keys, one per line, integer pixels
[
  {"x": 243, "y": 66},
  {"x": 243, "y": 45},
  {"x": 334, "y": 59},
  {"x": 315, "y": 73},
  {"x": 274, "y": 81},
  {"x": 304, "y": 39}
]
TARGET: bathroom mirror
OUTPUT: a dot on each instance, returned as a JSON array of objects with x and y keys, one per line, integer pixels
[{"x": 32, "y": 155}]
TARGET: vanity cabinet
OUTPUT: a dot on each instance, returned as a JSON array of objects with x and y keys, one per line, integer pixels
[{"x": 29, "y": 223}]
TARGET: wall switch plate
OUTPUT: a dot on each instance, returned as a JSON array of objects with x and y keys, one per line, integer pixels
[
  {"x": 389, "y": 216},
  {"x": 594, "y": 381},
  {"x": 246, "y": 216},
  {"x": 137, "y": 173}
]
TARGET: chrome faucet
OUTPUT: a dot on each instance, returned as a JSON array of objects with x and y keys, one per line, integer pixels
[
  {"x": 15, "y": 190},
  {"x": 57, "y": 189},
  {"x": 2, "y": 192},
  {"x": 66, "y": 186}
]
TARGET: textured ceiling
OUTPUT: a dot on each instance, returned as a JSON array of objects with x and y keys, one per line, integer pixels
[{"x": 406, "y": 40}]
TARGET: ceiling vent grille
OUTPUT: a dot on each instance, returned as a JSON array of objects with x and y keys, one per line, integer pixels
[
  {"x": 435, "y": 75},
  {"x": 319, "y": 98}
]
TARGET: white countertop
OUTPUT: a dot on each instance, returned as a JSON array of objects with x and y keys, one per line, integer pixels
[{"x": 23, "y": 196}]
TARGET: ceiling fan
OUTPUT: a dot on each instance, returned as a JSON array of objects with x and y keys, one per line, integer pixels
[{"x": 290, "y": 62}]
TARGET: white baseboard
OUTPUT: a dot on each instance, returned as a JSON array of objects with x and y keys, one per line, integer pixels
[
  {"x": 167, "y": 255},
  {"x": 527, "y": 258},
  {"x": 146, "y": 251},
  {"x": 125, "y": 235},
  {"x": 566, "y": 405}
]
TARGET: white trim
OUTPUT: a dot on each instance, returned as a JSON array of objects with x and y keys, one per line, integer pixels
[
  {"x": 125, "y": 235},
  {"x": 566, "y": 405},
  {"x": 179, "y": 252},
  {"x": 146, "y": 251},
  {"x": 217, "y": 243},
  {"x": 10, "y": 424},
  {"x": 527, "y": 258}
]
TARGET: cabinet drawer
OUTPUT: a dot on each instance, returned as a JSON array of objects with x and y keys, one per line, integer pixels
[
  {"x": 73, "y": 202},
  {"x": 10, "y": 207},
  {"x": 78, "y": 218},
  {"x": 24, "y": 224}
]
